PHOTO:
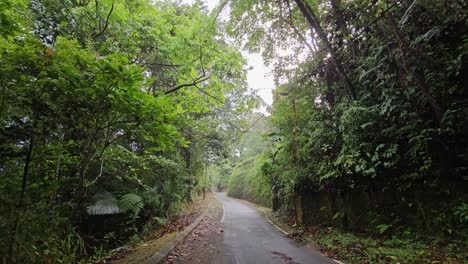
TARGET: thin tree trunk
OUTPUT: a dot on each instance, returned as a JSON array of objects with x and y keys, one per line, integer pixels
[
  {"x": 409, "y": 58},
  {"x": 20, "y": 203},
  {"x": 298, "y": 209},
  {"x": 275, "y": 202},
  {"x": 330, "y": 95},
  {"x": 315, "y": 25},
  {"x": 339, "y": 15},
  {"x": 206, "y": 178}
]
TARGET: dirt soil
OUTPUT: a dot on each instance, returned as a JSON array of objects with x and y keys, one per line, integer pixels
[
  {"x": 141, "y": 252},
  {"x": 205, "y": 243}
]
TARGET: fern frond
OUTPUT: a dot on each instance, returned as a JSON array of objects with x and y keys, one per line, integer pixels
[
  {"x": 131, "y": 202},
  {"x": 105, "y": 203}
]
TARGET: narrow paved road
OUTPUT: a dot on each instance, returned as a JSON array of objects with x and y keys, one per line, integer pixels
[
  {"x": 239, "y": 234},
  {"x": 251, "y": 239}
]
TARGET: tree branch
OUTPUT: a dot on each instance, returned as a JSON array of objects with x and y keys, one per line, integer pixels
[
  {"x": 199, "y": 89},
  {"x": 107, "y": 23},
  {"x": 290, "y": 23},
  {"x": 162, "y": 64},
  {"x": 98, "y": 15},
  {"x": 68, "y": 10},
  {"x": 194, "y": 83},
  {"x": 314, "y": 24}
]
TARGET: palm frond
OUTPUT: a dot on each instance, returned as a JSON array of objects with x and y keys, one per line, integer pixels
[
  {"x": 131, "y": 202},
  {"x": 105, "y": 203}
]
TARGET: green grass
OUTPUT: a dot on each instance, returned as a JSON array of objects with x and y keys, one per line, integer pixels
[
  {"x": 361, "y": 248},
  {"x": 354, "y": 248}
]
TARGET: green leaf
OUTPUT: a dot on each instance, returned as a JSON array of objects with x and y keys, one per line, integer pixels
[{"x": 105, "y": 203}]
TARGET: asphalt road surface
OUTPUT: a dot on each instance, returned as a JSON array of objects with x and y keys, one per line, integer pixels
[
  {"x": 251, "y": 239},
  {"x": 236, "y": 233}
]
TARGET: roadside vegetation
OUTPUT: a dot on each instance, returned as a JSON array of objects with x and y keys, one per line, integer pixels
[
  {"x": 362, "y": 247},
  {"x": 366, "y": 142},
  {"x": 245, "y": 181},
  {"x": 116, "y": 114},
  {"x": 110, "y": 112}
]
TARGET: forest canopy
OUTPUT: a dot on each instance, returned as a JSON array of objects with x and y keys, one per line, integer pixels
[
  {"x": 369, "y": 121},
  {"x": 108, "y": 108},
  {"x": 116, "y": 113}
]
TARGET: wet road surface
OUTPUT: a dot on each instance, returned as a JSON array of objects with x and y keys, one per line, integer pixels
[
  {"x": 251, "y": 239},
  {"x": 236, "y": 233}
]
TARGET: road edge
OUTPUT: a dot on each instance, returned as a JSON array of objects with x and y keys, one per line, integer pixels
[
  {"x": 286, "y": 233},
  {"x": 263, "y": 210},
  {"x": 164, "y": 251},
  {"x": 273, "y": 224}
]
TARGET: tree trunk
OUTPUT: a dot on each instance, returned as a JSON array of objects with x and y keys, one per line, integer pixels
[
  {"x": 330, "y": 95},
  {"x": 275, "y": 202},
  {"x": 339, "y": 15},
  {"x": 315, "y": 26},
  {"x": 409, "y": 60},
  {"x": 206, "y": 178},
  {"x": 298, "y": 209},
  {"x": 20, "y": 203}
]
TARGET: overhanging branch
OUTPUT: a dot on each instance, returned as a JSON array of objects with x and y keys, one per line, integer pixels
[
  {"x": 194, "y": 83},
  {"x": 106, "y": 24},
  {"x": 206, "y": 93}
]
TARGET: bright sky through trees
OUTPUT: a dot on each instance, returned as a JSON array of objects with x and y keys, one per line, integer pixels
[
  {"x": 117, "y": 117},
  {"x": 259, "y": 77}
]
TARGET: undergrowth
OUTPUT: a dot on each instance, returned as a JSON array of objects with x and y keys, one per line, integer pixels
[{"x": 359, "y": 248}]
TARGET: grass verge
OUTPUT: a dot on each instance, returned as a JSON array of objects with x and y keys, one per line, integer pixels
[{"x": 364, "y": 248}]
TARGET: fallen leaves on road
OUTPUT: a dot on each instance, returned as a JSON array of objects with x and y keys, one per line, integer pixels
[
  {"x": 203, "y": 243},
  {"x": 180, "y": 223},
  {"x": 283, "y": 256},
  {"x": 161, "y": 236},
  {"x": 295, "y": 235},
  {"x": 118, "y": 254}
]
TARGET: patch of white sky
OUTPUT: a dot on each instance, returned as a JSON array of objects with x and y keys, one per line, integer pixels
[{"x": 259, "y": 76}]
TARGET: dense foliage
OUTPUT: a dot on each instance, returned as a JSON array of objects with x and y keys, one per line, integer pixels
[
  {"x": 110, "y": 111},
  {"x": 246, "y": 180},
  {"x": 114, "y": 113},
  {"x": 370, "y": 114}
]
